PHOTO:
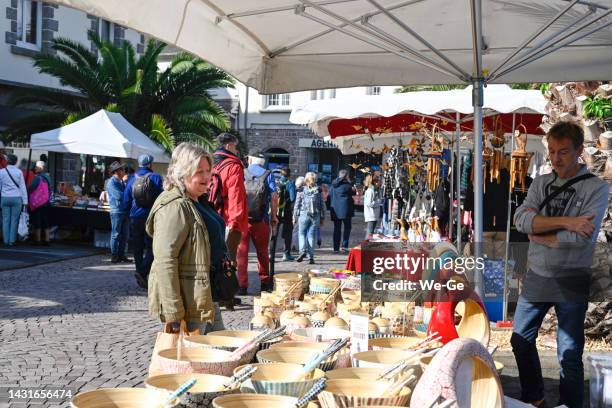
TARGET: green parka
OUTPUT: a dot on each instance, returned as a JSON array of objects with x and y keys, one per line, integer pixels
[{"x": 179, "y": 282}]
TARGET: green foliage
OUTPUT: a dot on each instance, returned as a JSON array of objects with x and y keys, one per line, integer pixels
[
  {"x": 171, "y": 106},
  {"x": 597, "y": 107}
]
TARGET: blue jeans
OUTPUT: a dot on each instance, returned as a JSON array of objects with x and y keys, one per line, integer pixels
[
  {"x": 120, "y": 224},
  {"x": 11, "y": 210},
  {"x": 570, "y": 345},
  {"x": 308, "y": 233}
]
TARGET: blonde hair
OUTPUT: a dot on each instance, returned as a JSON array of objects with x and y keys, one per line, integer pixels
[
  {"x": 310, "y": 178},
  {"x": 184, "y": 163},
  {"x": 299, "y": 182}
]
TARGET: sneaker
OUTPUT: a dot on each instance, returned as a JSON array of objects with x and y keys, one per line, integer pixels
[
  {"x": 301, "y": 257},
  {"x": 125, "y": 259},
  {"x": 346, "y": 250},
  {"x": 311, "y": 262},
  {"x": 114, "y": 259},
  {"x": 142, "y": 282},
  {"x": 336, "y": 251},
  {"x": 242, "y": 292},
  {"x": 288, "y": 257},
  {"x": 319, "y": 243}
]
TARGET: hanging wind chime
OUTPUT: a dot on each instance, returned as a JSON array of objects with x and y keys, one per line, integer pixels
[
  {"x": 433, "y": 163},
  {"x": 519, "y": 164},
  {"x": 498, "y": 140}
]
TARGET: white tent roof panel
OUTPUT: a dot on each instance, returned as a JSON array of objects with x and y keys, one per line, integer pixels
[{"x": 103, "y": 133}]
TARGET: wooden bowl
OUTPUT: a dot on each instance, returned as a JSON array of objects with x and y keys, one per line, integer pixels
[
  {"x": 399, "y": 343},
  {"x": 354, "y": 373},
  {"x": 380, "y": 358},
  {"x": 319, "y": 334},
  {"x": 254, "y": 401},
  {"x": 294, "y": 355},
  {"x": 356, "y": 393},
  {"x": 343, "y": 355},
  {"x": 216, "y": 342},
  {"x": 119, "y": 398},
  {"x": 280, "y": 379},
  {"x": 425, "y": 360},
  {"x": 198, "y": 360},
  {"x": 221, "y": 343},
  {"x": 244, "y": 334},
  {"x": 207, "y": 387}
]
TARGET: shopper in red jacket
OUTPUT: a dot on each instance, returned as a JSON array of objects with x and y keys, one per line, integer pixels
[{"x": 234, "y": 209}]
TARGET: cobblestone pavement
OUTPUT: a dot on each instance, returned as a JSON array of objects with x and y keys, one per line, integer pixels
[{"x": 83, "y": 324}]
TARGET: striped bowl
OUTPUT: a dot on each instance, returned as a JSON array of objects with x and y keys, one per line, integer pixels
[
  {"x": 275, "y": 379},
  {"x": 294, "y": 355},
  {"x": 206, "y": 388},
  {"x": 257, "y": 401},
  {"x": 350, "y": 393}
]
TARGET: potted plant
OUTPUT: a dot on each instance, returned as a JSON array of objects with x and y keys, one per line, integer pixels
[{"x": 598, "y": 109}]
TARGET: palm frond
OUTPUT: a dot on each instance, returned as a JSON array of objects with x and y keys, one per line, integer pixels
[
  {"x": 161, "y": 133},
  {"x": 77, "y": 52},
  {"x": 90, "y": 83}
]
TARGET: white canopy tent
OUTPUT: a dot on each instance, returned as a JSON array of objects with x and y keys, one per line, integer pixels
[
  {"x": 499, "y": 99},
  {"x": 290, "y": 45},
  {"x": 103, "y": 133}
]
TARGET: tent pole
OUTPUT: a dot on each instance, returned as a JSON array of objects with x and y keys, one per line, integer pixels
[
  {"x": 477, "y": 100},
  {"x": 451, "y": 172},
  {"x": 27, "y": 169},
  {"x": 508, "y": 223},
  {"x": 458, "y": 178}
]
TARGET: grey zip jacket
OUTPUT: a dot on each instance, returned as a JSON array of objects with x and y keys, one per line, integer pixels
[{"x": 574, "y": 254}]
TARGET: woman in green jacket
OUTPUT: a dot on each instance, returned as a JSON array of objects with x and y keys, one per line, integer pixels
[{"x": 179, "y": 283}]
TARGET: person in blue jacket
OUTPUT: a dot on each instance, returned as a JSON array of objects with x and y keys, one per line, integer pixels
[
  {"x": 141, "y": 242},
  {"x": 115, "y": 188},
  {"x": 342, "y": 208}
]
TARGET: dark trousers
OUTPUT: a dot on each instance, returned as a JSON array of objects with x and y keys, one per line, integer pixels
[
  {"x": 287, "y": 234},
  {"x": 142, "y": 245},
  {"x": 570, "y": 345},
  {"x": 348, "y": 224}
]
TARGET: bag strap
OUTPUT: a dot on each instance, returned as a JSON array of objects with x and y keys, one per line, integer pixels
[
  {"x": 564, "y": 187},
  {"x": 9, "y": 174}
]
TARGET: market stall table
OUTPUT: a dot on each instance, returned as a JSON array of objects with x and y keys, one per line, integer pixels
[{"x": 79, "y": 217}]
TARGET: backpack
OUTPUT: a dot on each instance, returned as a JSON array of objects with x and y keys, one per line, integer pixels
[
  {"x": 310, "y": 202},
  {"x": 281, "y": 189},
  {"x": 143, "y": 191},
  {"x": 39, "y": 196},
  {"x": 257, "y": 195},
  {"x": 215, "y": 190}
]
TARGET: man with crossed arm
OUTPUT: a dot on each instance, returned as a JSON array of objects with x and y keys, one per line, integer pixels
[{"x": 562, "y": 215}]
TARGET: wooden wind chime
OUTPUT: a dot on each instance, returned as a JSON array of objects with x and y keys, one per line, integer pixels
[
  {"x": 496, "y": 162},
  {"x": 519, "y": 162},
  {"x": 434, "y": 160}
]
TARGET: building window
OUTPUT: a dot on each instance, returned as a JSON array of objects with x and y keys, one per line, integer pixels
[
  {"x": 373, "y": 90},
  {"x": 29, "y": 24},
  {"x": 106, "y": 31},
  {"x": 277, "y": 100},
  {"x": 322, "y": 94}
]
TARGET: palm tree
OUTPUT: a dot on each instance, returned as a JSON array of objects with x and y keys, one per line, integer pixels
[{"x": 170, "y": 106}]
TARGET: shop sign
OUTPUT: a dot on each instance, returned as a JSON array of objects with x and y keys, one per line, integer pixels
[{"x": 317, "y": 144}]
